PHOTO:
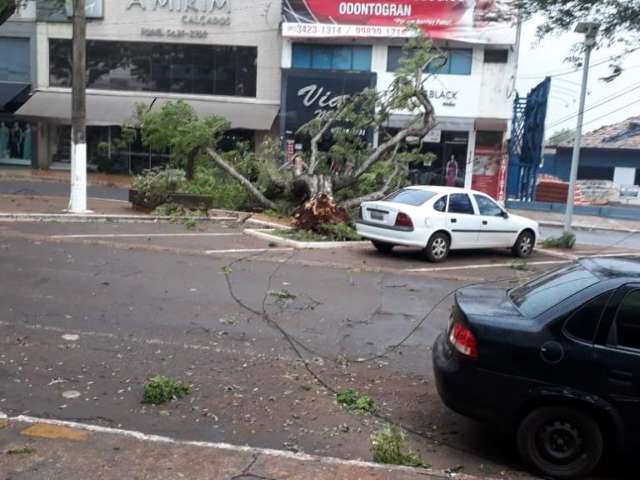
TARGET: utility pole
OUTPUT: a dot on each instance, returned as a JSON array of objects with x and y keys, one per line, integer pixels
[
  {"x": 78, "y": 200},
  {"x": 590, "y": 30}
]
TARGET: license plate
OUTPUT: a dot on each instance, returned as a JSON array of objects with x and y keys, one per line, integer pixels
[{"x": 377, "y": 216}]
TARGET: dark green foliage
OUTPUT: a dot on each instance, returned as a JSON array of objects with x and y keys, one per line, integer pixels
[
  {"x": 619, "y": 20},
  {"x": 566, "y": 241},
  {"x": 353, "y": 401},
  {"x": 389, "y": 446},
  {"x": 163, "y": 389},
  {"x": 157, "y": 184}
]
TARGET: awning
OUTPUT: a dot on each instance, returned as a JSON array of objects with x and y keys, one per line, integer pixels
[
  {"x": 105, "y": 109},
  {"x": 452, "y": 124},
  {"x": 10, "y": 90},
  {"x": 101, "y": 109}
]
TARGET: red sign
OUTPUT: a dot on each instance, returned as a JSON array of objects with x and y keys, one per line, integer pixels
[{"x": 467, "y": 20}]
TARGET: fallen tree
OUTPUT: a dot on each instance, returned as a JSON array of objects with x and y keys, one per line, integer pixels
[{"x": 339, "y": 150}]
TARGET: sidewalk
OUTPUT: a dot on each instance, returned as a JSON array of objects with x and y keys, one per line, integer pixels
[
  {"x": 549, "y": 219},
  {"x": 20, "y": 204},
  {"x": 43, "y": 449},
  {"x": 30, "y": 174}
]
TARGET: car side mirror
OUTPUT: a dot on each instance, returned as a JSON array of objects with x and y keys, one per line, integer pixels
[{"x": 505, "y": 214}]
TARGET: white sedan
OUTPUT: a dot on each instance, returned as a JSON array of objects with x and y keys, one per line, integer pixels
[{"x": 440, "y": 219}]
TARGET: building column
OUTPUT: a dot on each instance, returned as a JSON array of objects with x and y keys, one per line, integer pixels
[{"x": 471, "y": 154}]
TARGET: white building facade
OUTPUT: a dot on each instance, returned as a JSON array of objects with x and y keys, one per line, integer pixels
[
  {"x": 220, "y": 56},
  {"x": 339, "y": 47}
]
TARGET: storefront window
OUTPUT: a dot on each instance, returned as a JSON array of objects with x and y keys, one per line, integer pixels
[
  {"x": 331, "y": 57},
  {"x": 458, "y": 61},
  {"x": 158, "y": 67},
  {"x": 15, "y": 65},
  {"x": 16, "y": 142},
  {"x": 445, "y": 158}
]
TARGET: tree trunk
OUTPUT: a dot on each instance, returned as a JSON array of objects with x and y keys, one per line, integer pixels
[
  {"x": 318, "y": 185},
  {"x": 191, "y": 164}
]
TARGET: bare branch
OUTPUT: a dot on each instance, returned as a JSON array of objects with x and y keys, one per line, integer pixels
[
  {"x": 245, "y": 183},
  {"x": 335, "y": 115},
  {"x": 377, "y": 195},
  {"x": 313, "y": 162}
]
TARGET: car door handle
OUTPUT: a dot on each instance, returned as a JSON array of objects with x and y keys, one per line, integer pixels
[
  {"x": 454, "y": 220},
  {"x": 484, "y": 222}
]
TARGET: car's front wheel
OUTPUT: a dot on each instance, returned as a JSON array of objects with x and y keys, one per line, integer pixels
[
  {"x": 382, "y": 247},
  {"x": 437, "y": 249},
  {"x": 560, "y": 442},
  {"x": 523, "y": 248}
]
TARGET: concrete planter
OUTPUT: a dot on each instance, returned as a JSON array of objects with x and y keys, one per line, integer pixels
[
  {"x": 268, "y": 234},
  {"x": 186, "y": 200}
]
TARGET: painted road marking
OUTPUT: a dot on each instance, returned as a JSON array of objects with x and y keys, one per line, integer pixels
[
  {"x": 249, "y": 250},
  {"x": 54, "y": 432},
  {"x": 223, "y": 447},
  {"x": 147, "y": 235},
  {"x": 487, "y": 265}
]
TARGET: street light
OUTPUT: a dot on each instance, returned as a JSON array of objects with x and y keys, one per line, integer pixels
[{"x": 590, "y": 31}]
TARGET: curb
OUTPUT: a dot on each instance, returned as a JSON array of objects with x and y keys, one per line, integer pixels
[
  {"x": 264, "y": 234},
  {"x": 589, "y": 227},
  {"x": 101, "y": 218},
  {"x": 283, "y": 454}
]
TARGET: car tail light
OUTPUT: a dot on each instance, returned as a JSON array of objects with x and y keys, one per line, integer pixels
[
  {"x": 464, "y": 341},
  {"x": 403, "y": 220}
]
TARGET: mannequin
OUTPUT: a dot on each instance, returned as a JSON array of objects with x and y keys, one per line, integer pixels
[{"x": 452, "y": 171}]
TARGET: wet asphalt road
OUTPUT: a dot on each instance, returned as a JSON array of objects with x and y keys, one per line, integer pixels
[
  {"x": 139, "y": 313},
  {"x": 58, "y": 189}
]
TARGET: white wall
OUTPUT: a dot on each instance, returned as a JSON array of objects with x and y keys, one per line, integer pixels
[
  {"x": 253, "y": 23},
  {"x": 483, "y": 94}
]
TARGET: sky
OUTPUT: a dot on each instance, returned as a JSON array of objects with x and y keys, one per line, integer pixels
[{"x": 607, "y": 103}]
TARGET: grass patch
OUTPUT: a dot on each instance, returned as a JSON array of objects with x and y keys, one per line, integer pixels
[
  {"x": 565, "y": 241},
  {"x": 389, "y": 446},
  {"x": 22, "y": 451},
  {"x": 283, "y": 294},
  {"x": 520, "y": 264},
  {"x": 340, "y": 232},
  {"x": 163, "y": 389},
  {"x": 354, "y": 402},
  {"x": 178, "y": 213}
]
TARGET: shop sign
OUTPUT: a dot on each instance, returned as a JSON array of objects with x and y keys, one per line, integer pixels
[
  {"x": 309, "y": 94},
  {"x": 192, "y": 13},
  {"x": 477, "y": 21},
  {"x": 434, "y": 136}
]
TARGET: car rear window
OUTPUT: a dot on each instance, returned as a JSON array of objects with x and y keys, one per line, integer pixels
[
  {"x": 539, "y": 295},
  {"x": 408, "y": 196}
]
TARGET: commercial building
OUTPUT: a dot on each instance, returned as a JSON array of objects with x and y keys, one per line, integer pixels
[
  {"x": 333, "y": 47},
  {"x": 220, "y": 56},
  {"x": 608, "y": 153}
]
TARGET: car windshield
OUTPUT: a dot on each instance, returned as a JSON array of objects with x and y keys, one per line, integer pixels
[
  {"x": 539, "y": 295},
  {"x": 409, "y": 196}
]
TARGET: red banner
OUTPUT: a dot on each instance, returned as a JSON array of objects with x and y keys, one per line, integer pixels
[{"x": 465, "y": 20}]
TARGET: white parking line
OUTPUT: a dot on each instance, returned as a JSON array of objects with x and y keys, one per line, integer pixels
[
  {"x": 147, "y": 235},
  {"x": 487, "y": 265},
  {"x": 249, "y": 250}
]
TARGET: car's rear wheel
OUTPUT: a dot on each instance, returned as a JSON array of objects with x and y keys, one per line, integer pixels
[
  {"x": 560, "y": 442},
  {"x": 523, "y": 248},
  {"x": 437, "y": 249},
  {"x": 383, "y": 247}
]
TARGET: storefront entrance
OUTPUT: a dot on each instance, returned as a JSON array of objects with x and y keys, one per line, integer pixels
[
  {"x": 448, "y": 162},
  {"x": 16, "y": 141}
]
